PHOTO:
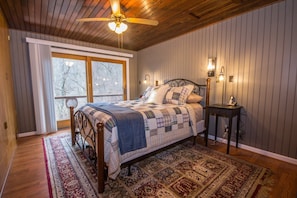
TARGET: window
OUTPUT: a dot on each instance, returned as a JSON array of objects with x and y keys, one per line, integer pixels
[
  {"x": 88, "y": 79},
  {"x": 108, "y": 80}
]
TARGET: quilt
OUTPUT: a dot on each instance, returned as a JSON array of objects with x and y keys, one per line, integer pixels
[
  {"x": 158, "y": 119},
  {"x": 129, "y": 123}
]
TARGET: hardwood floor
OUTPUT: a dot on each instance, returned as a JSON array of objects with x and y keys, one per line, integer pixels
[{"x": 27, "y": 177}]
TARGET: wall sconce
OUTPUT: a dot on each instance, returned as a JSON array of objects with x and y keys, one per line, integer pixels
[
  {"x": 211, "y": 67},
  {"x": 146, "y": 78}
]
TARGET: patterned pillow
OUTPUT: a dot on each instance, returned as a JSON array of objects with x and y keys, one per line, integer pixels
[
  {"x": 179, "y": 95},
  {"x": 157, "y": 94}
]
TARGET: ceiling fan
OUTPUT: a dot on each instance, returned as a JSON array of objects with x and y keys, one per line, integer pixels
[{"x": 116, "y": 20}]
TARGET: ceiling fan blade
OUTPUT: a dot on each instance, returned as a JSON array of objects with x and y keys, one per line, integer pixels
[
  {"x": 115, "y": 7},
  {"x": 94, "y": 19},
  {"x": 142, "y": 21}
]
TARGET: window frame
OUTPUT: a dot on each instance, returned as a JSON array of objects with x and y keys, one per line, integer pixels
[{"x": 88, "y": 59}]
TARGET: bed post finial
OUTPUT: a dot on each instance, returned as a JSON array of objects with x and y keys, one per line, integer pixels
[{"x": 207, "y": 91}]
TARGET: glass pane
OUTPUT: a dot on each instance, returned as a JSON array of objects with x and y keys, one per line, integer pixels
[
  {"x": 107, "y": 98},
  {"x": 107, "y": 81},
  {"x": 63, "y": 112},
  {"x": 69, "y": 80}
]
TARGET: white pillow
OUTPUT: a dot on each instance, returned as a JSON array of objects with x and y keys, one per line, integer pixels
[
  {"x": 147, "y": 92},
  {"x": 179, "y": 95},
  {"x": 157, "y": 94}
]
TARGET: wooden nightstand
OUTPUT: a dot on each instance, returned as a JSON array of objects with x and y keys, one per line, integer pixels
[{"x": 225, "y": 111}]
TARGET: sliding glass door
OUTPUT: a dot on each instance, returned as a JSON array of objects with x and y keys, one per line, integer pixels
[
  {"x": 108, "y": 80},
  {"x": 88, "y": 79}
]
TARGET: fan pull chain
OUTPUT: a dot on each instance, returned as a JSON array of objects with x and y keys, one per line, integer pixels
[{"x": 121, "y": 41}]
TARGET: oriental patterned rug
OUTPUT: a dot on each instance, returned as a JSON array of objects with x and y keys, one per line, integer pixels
[{"x": 182, "y": 171}]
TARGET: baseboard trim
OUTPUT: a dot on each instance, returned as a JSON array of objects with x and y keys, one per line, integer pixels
[
  {"x": 256, "y": 150},
  {"x": 7, "y": 172},
  {"x": 19, "y": 135}
]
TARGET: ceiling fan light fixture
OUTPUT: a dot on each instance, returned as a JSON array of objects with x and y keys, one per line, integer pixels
[
  {"x": 123, "y": 27},
  {"x": 117, "y": 19},
  {"x": 112, "y": 26},
  {"x": 118, "y": 27}
]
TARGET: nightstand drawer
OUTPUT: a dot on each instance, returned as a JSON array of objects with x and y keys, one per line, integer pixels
[{"x": 222, "y": 112}]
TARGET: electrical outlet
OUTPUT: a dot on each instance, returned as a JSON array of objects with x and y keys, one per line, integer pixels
[
  {"x": 5, "y": 125},
  {"x": 226, "y": 131},
  {"x": 225, "y": 135},
  {"x": 240, "y": 134}
]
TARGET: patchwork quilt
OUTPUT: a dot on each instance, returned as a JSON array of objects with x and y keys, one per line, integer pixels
[{"x": 158, "y": 119}]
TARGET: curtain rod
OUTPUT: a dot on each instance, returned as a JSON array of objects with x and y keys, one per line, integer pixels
[{"x": 77, "y": 47}]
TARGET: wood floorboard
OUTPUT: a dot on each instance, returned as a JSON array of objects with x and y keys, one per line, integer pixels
[{"x": 27, "y": 177}]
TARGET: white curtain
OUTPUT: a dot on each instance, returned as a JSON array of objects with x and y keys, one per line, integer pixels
[{"x": 42, "y": 84}]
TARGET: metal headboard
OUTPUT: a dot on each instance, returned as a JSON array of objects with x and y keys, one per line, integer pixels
[{"x": 200, "y": 89}]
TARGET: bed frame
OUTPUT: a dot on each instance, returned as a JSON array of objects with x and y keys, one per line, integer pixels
[{"x": 81, "y": 123}]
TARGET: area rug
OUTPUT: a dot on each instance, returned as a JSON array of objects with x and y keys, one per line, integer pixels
[{"x": 181, "y": 171}]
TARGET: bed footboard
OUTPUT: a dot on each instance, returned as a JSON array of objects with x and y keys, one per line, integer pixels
[{"x": 86, "y": 136}]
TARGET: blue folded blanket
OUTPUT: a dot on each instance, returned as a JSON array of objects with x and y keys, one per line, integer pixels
[{"x": 130, "y": 124}]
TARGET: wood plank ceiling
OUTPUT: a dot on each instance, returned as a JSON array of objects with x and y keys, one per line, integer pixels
[{"x": 176, "y": 17}]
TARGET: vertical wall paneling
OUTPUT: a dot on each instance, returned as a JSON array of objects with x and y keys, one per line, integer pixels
[
  {"x": 215, "y": 86},
  {"x": 25, "y": 106},
  {"x": 271, "y": 76},
  {"x": 272, "y": 108},
  {"x": 278, "y": 74},
  {"x": 264, "y": 75},
  {"x": 250, "y": 81},
  {"x": 246, "y": 76},
  {"x": 257, "y": 100},
  {"x": 284, "y": 110},
  {"x": 293, "y": 137},
  {"x": 291, "y": 81},
  {"x": 238, "y": 81},
  {"x": 259, "y": 49}
]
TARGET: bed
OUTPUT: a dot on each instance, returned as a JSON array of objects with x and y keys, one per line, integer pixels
[{"x": 116, "y": 134}]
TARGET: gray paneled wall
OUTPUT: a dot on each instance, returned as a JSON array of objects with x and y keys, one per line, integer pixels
[
  {"x": 22, "y": 74},
  {"x": 259, "y": 49}
]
